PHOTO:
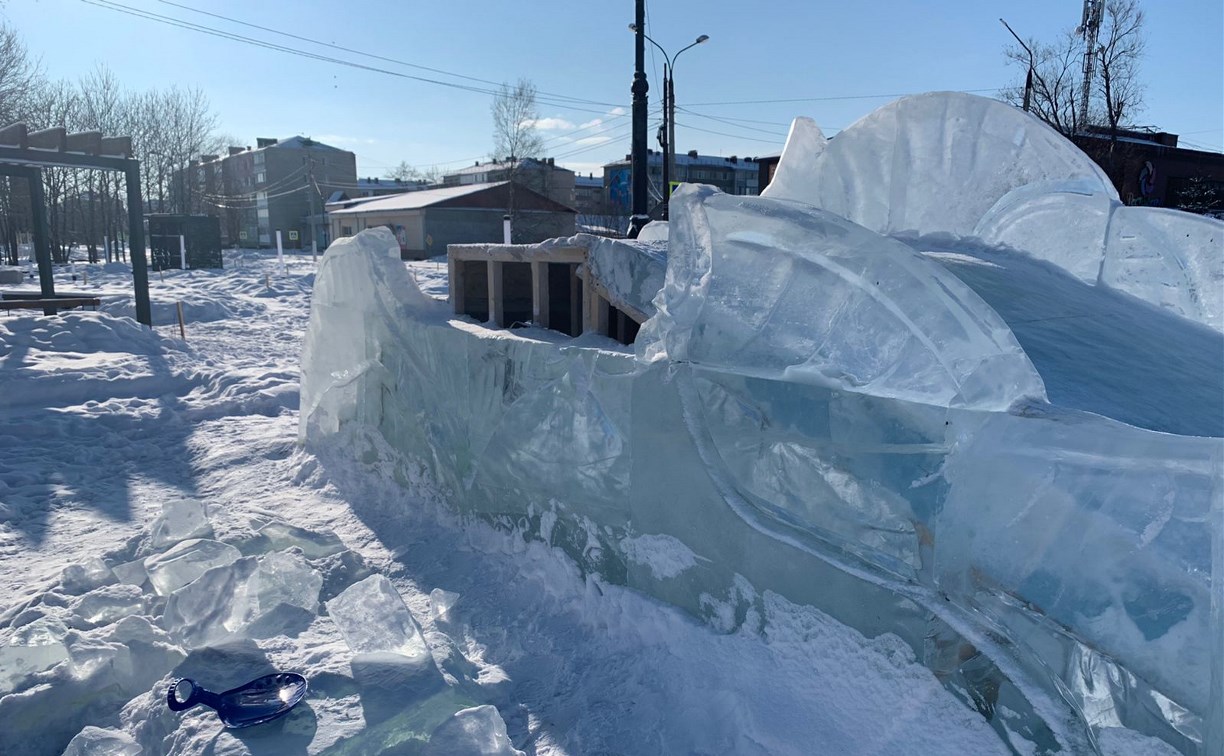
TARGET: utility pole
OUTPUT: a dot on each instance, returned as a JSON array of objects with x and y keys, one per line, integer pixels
[
  {"x": 1090, "y": 27},
  {"x": 310, "y": 193},
  {"x": 639, "y": 89}
]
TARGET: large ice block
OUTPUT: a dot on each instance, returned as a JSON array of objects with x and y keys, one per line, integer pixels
[
  {"x": 928, "y": 163},
  {"x": 180, "y": 520},
  {"x": 784, "y": 290}
]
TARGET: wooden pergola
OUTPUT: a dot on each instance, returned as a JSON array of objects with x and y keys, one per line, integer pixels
[{"x": 24, "y": 154}]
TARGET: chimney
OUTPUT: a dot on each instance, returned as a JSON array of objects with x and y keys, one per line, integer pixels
[
  {"x": 734, "y": 160},
  {"x": 692, "y": 153},
  {"x": 261, "y": 142},
  {"x": 234, "y": 151}
]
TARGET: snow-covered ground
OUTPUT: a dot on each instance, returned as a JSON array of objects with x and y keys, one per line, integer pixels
[{"x": 106, "y": 424}]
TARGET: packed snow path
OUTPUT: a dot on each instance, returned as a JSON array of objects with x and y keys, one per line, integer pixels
[{"x": 105, "y": 423}]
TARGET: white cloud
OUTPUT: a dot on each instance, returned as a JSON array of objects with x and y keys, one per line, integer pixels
[
  {"x": 617, "y": 111},
  {"x": 590, "y": 123},
  {"x": 593, "y": 140},
  {"x": 549, "y": 124}
]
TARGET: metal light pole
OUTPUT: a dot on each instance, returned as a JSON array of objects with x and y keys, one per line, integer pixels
[
  {"x": 669, "y": 110},
  {"x": 639, "y": 89},
  {"x": 1028, "y": 80}
]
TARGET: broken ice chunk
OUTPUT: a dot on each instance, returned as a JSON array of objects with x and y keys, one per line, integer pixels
[
  {"x": 187, "y": 561},
  {"x": 231, "y": 599},
  {"x": 314, "y": 544},
  {"x": 33, "y": 648},
  {"x": 96, "y": 741},
  {"x": 373, "y": 620},
  {"x": 440, "y": 604},
  {"x": 478, "y": 731},
  {"x": 82, "y": 578},
  {"x": 109, "y": 603},
  {"x": 131, "y": 573},
  {"x": 180, "y": 520}
]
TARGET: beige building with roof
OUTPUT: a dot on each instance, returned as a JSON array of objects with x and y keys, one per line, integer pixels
[{"x": 425, "y": 222}]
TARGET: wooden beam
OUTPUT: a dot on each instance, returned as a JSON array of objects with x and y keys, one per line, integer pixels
[
  {"x": 457, "y": 285},
  {"x": 15, "y": 135},
  {"x": 55, "y": 138},
  {"x": 116, "y": 146},
  {"x": 87, "y": 142}
]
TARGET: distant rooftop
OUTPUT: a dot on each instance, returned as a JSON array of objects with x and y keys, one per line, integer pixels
[
  {"x": 501, "y": 165},
  {"x": 692, "y": 158}
]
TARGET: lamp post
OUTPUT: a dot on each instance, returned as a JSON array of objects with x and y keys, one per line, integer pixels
[
  {"x": 669, "y": 112},
  {"x": 1028, "y": 80}
]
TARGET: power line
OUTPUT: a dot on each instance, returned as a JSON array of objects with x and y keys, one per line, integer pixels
[
  {"x": 779, "y": 140},
  {"x": 234, "y": 37},
  {"x": 372, "y": 55},
  {"x": 828, "y": 99}
]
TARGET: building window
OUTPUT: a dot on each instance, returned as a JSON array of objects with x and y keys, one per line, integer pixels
[
  {"x": 261, "y": 177},
  {"x": 346, "y": 230},
  {"x": 263, "y": 213}
]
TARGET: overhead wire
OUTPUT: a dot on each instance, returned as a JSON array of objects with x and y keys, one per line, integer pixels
[{"x": 372, "y": 55}]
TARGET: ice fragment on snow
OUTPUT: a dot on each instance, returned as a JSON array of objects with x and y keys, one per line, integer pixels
[
  {"x": 373, "y": 619},
  {"x": 231, "y": 599},
  {"x": 98, "y": 741},
  {"x": 131, "y": 573},
  {"x": 185, "y": 562},
  {"x": 440, "y": 604},
  {"x": 33, "y": 648},
  {"x": 478, "y": 731},
  {"x": 109, "y": 603},
  {"x": 180, "y": 520},
  {"x": 82, "y": 578},
  {"x": 315, "y": 544}
]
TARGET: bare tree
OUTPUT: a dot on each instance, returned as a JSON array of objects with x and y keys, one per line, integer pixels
[
  {"x": 1057, "y": 75},
  {"x": 514, "y": 122},
  {"x": 1117, "y": 94},
  {"x": 1121, "y": 48},
  {"x": 20, "y": 77}
]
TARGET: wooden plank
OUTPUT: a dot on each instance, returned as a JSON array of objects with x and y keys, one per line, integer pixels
[{"x": 58, "y": 303}]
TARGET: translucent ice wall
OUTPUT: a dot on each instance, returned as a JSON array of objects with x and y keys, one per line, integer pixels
[
  {"x": 952, "y": 163},
  {"x": 1056, "y": 569}
]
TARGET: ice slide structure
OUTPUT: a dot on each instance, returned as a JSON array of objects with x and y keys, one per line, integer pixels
[{"x": 937, "y": 382}]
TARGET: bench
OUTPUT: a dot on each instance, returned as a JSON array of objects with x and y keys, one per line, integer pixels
[{"x": 59, "y": 303}]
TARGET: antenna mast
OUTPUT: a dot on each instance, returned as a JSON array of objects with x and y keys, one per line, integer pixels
[{"x": 1090, "y": 28}]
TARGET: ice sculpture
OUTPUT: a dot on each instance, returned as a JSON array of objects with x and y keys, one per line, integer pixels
[
  {"x": 951, "y": 163},
  {"x": 928, "y": 163},
  {"x": 832, "y": 304},
  {"x": 823, "y": 412}
]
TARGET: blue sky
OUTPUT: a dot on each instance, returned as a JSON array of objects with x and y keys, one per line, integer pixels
[{"x": 832, "y": 60}]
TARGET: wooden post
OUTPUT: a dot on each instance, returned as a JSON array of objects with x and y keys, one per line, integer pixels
[
  {"x": 182, "y": 329},
  {"x": 540, "y": 304},
  {"x": 577, "y": 319},
  {"x": 136, "y": 244},
  {"x": 456, "y": 281},
  {"x": 497, "y": 300}
]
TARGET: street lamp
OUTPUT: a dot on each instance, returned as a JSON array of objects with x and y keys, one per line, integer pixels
[
  {"x": 669, "y": 112},
  {"x": 1028, "y": 80}
]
